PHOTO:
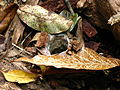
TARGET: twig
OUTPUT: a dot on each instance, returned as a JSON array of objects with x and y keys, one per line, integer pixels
[
  {"x": 22, "y": 49},
  {"x": 26, "y": 38},
  {"x": 69, "y": 6}
]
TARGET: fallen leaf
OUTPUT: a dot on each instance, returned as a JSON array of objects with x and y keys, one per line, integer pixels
[
  {"x": 18, "y": 28},
  {"x": 43, "y": 68},
  {"x": 76, "y": 44},
  {"x": 7, "y": 19},
  {"x": 77, "y": 41},
  {"x": 75, "y": 18},
  {"x": 81, "y": 3},
  {"x": 41, "y": 19},
  {"x": 31, "y": 49},
  {"x": 58, "y": 43},
  {"x": 2, "y": 3},
  {"x": 13, "y": 52},
  {"x": 19, "y": 76},
  {"x": 44, "y": 51},
  {"x": 36, "y": 37},
  {"x": 114, "y": 19},
  {"x": 9, "y": 86},
  {"x": 42, "y": 40},
  {"x": 84, "y": 59},
  {"x": 2, "y": 43}
]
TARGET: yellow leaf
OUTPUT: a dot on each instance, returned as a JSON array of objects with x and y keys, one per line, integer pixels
[
  {"x": 43, "y": 68},
  {"x": 19, "y": 76},
  {"x": 84, "y": 59}
]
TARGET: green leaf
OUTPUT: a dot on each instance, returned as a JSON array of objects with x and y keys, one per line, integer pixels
[
  {"x": 41, "y": 19},
  {"x": 43, "y": 68},
  {"x": 68, "y": 15}
]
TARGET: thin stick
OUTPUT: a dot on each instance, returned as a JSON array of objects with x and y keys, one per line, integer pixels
[
  {"x": 69, "y": 6},
  {"x": 22, "y": 49},
  {"x": 26, "y": 37}
]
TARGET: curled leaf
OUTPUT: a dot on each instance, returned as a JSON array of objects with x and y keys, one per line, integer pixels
[
  {"x": 41, "y": 19},
  {"x": 85, "y": 59},
  {"x": 58, "y": 43},
  {"x": 73, "y": 17},
  {"x": 19, "y": 76}
]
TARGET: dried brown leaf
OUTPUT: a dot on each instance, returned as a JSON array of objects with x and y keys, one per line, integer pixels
[
  {"x": 42, "y": 39},
  {"x": 2, "y": 43},
  {"x": 114, "y": 19},
  {"x": 36, "y": 36},
  {"x": 13, "y": 52},
  {"x": 6, "y": 10},
  {"x": 9, "y": 86},
  {"x": 2, "y": 3},
  {"x": 78, "y": 42},
  {"x": 85, "y": 59},
  {"x": 18, "y": 29},
  {"x": 6, "y": 21},
  {"x": 31, "y": 49}
]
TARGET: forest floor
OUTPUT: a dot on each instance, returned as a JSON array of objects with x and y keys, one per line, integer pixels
[{"x": 17, "y": 39}]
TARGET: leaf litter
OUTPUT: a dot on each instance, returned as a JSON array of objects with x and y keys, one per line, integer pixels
[{"x": 60, "y": 46}]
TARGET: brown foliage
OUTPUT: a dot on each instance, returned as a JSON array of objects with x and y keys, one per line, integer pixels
[{"x": 8, "y": 15}]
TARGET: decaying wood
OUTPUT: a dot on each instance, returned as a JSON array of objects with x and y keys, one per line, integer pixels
[{"x": 100, "y": 11}]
